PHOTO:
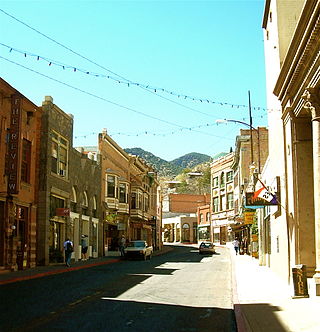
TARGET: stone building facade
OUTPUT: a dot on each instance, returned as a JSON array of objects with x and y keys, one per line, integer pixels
[
  {"x": 292, "y": 48},
  {"x": 69, "y": 190},
  {"x": 85, "y": 198},
  {"x": 20, "y": 125}
]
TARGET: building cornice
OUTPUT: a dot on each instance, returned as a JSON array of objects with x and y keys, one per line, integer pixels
[{"x": 300, "y": 52}]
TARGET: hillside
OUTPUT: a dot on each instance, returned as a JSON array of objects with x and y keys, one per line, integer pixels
[{"x": 170, "y": 168}]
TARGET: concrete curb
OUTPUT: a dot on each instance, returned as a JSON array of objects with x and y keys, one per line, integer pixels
[
  {"x": 52, "y": 270},
  {"x": 57, "y": 271},
  {"x": 240, "y": 319}
]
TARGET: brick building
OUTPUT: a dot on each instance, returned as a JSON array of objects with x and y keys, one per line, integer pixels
[
  {"x": 185, "y": 203},
  {"x": 20, "y": 125}
]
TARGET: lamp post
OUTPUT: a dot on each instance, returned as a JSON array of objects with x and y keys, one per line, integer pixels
[{"x": 251, "y": 140}]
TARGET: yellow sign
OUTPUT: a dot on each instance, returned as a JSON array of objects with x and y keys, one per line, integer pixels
[{"x": 248, "y": 217}]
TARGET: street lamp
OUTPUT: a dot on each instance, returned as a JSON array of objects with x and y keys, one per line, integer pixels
[{"x": 251, "y": 128}]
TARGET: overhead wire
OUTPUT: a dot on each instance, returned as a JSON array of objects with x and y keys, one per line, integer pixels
[
  {"x": 148, "y": 88},
  {"x": 104, "y": 99}
]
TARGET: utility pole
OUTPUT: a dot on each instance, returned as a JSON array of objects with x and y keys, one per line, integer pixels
[{"x": 250, "y": 118}]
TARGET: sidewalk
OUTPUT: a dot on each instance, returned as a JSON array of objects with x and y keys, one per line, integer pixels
[
  {"x": 263, "y": 303},
  {"x": 43, "y": 271}
]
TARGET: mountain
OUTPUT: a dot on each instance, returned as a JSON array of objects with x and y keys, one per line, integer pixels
[
  {"x": 170, "y": 168},
  {"x": 191, "y": 159}
]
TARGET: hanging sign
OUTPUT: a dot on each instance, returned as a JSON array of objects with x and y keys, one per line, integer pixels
[{"x": 13, "y": 144}]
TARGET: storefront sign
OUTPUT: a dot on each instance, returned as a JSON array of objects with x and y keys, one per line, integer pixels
[
  {"x": 259, "y": 201},
  {"x": 248, "y": 217},
  {"x": 62, "y": 212},
  {"x": 13, "y": 145}
]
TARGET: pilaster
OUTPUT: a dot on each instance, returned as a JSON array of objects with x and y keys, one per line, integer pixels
[{"x": 312, "y": 105}]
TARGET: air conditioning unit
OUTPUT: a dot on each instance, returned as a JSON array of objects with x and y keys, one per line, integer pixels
[{"x": 63, "y": 172}]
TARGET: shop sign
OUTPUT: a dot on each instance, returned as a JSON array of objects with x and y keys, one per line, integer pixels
[
  {"x": 252, "y": 200},
  {"x": 248, "y": 217},
  {"x": 13, "y": 145},
  {"x": 62, "y": 212}
]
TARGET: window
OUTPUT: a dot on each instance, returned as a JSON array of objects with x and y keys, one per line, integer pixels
[
  {"x": 230, "y": 201},
  {"x": 59, "y": 155},
  {"x": 84, "y": 203},
  {"x": 94, "y": 207},
  {"x": 123, "y": 198},
  {"x": 222, "y": 202},
  {"x": 146, "y": 203},
  {"x": 26, "y": 161},
  {"x": 208, "y": 217},
  {"x": 111, "y": 186},
  {"x": 139, "y": 200},
  {"x": 222, "y": 180},
  {"x": 215, "y": 204},
  {"x": 21, "y": 222},
  {"x": 55, "y": 202},
  {"x": 215, "y": 182},
  {"x": 133, "y": 200},
  {"x": 201, "y": 218},
  {"x": 73, "y": 200},
  {"x": 229, "y": 176}
]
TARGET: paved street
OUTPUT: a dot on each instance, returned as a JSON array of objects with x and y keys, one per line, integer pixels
[{"x": 176, "y": 291}]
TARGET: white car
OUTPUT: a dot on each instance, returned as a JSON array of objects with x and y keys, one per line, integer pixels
[
  {"x": 138, "y": 249},
  {"x": 207, "y": 247}
]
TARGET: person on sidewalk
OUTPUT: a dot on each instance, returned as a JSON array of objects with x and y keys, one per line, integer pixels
[
  {"x": 68, "y": 249},
  {"x": 236, "y": 245},
  {"x": 84, "y": 247},
  {"x": 122, "y": 244}
]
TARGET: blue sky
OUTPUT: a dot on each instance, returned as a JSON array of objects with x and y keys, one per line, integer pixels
[{"x": 198, "y": 50}]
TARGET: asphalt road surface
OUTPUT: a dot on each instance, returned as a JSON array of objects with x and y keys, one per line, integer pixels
[{"x": 177, "y": 291}]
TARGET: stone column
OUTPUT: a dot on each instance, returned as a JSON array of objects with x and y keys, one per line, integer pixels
[{"x": 312, "y": 97}]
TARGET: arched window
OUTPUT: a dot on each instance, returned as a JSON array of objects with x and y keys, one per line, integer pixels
[
  {"x": 73, "y": 200},
  {"x": 94, "y": 207},
  {"x": 84, "y": 203}
]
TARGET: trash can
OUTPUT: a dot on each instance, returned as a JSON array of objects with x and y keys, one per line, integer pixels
[{"x": 300, "y": 284}]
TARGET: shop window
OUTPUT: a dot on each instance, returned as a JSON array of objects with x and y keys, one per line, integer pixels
[
  {"x": 26, "y": 161},
  {"x": 55, "y": 202},
  {"x": 21, "y": 221}
]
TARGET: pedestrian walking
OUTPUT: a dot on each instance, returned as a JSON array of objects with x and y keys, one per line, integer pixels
[
  {"x": 84, "y": 247},
  {"x": 122, "y": 244},
  {"x": 236, "y": 245},
  {"x": 68, "y": 249}
]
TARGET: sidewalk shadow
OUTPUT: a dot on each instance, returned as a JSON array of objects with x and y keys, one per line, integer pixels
[{"x": 261, "y": 317}]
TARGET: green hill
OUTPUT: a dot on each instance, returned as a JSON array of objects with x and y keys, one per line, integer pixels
[{"x": 170, "y": 168}]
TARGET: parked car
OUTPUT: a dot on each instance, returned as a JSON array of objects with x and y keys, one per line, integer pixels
[
  {"x": 207, "y": 247},
  {"x": 138, "y": 249}
]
